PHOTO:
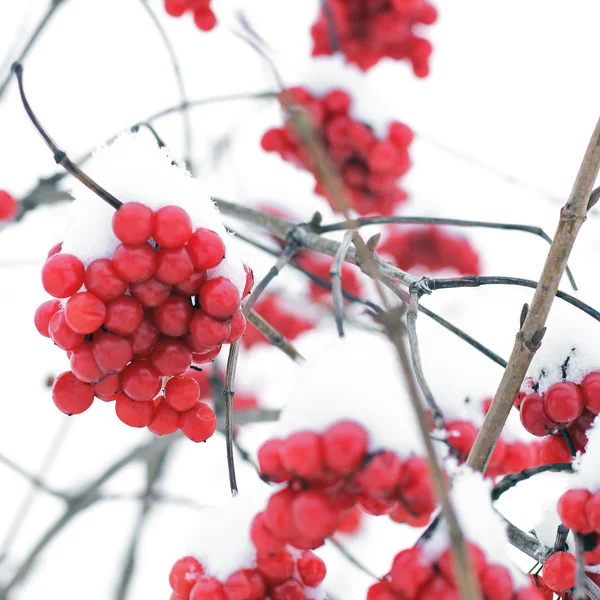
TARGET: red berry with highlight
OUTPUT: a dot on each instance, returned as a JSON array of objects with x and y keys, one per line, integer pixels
[
  {"x": 83, "y": 364},
  {"x": 206, "y": 249},
  {"x": 311, "y": 568},
  {"x": 132, "y": 223},
  {"x": 184, "y": 574},
  {"x": 61, "y": 334},
  {"x": 8, "y": 206},
  {"x": 315, "y": 516},
  {"x": 572, "y": 510},
  {"x": 173, "y": 265},
  {"x": 172, "y": 227},
  {"x": 534, "y": 417},
  {"x": 123, "y": 315},
  {"x": 219, "y": 298},
  {"x": 111, "y": 352},
  {"x": 132, "y": 413},
  {"x": 84, "y": 312},
  {"x": 70, "y": 395},
  {"x": 198, "y": 423},
  {"x": 173, "y": 316},
  {"x": 165, "y": 419},
  {"x": 62, "y": 275},
  {"x": 345, "y": 445},
  {"x": 563, "y": 402},
  {"x": 171, "y": 356},
  {"x": 590, "y": 390},
  {"x": 102, "y": 280},
  {"x": 134, "y": 263},
  {"x": 150, "y": 293},
  {"x": 559, "y": 571},
  {"x": 44, "y": 314},
  {"x": 182, "y": 393},
  {"x": 141, "y": 381},
  {"x": 207, "y": 331},
  {"x": 303, "y": 454}
]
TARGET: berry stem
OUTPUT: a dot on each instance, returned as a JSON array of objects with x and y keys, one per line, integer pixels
[
  {"x": 512, "y": 480},
  {"x": 59, "y": 156},
  {"x": 228, "y": 392},
  {"x": 336, "y": 282},
  {"x": 579, "y": 591}
]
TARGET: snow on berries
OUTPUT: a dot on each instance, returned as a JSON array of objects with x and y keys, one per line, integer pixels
[
  {"x": 365, "y": 32},
  {"x": 429, "y": 248},
  {"x": 8, "y": 206},
  {"x": 204, "y": 17},
  {"x": 143, "y": 294},
  {"x": 369, "y": 164},
  {"x": 227, "y": 563}
]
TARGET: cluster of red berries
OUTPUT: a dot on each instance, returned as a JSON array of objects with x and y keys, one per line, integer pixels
[
  {"x": 278, "y": 575},
  {"x": 203, "y": 16},
  {"x": 327, "y": 475},
  {"x": 413, "y": 577},
  {"x": 369, "y": 167},
  {"x": 564, "y": 406},
  {"x": 366, "y": 31},
  {"x": 147, "y": 314},
  {"x": 8, "y": 206},
  {"x": 579, "y": 510},
  {"x": 281, "y": 316},
  {"x": 429, "y": 247}
]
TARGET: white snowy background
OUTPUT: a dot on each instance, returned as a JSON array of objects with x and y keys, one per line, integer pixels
[{"x": 502, "y": 123}]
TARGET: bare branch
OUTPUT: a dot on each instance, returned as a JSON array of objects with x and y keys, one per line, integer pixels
[
  {"x": 579, "y": 591},
  {"x": 509, "y": 481},
  {"x": 274, "y": 337},
  {"x": 572, "y": 216},
  {"x": 228, "y": 392},
  {"x": 351, "y": 558},
  {"x": 336, "y": 282}
]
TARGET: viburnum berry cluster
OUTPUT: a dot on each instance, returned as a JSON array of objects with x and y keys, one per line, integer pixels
[
  {"x": 564, "y": 408},
  {"x": 133, "y": 325},
  {"x": 370, "y": 165},
  {"x": 278, "y": 575},
  {"x": 8, "y": 206},
  {"x": 414, "y": 576},
  {"x": 429, "y": 247},
  {"x": 366, "y": 31},
  {"x": 204, "y": 17},
  {"x": 327, "y": 475}
]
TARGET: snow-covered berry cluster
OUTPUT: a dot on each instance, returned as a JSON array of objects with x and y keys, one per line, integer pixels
[
  {"x": 327, "y": 475},
  {"x": 203, "y": 15},
  {"x": 431, "y": 248},
  {"x": 366, "y": 31},
  {"x": 279, "y": 575},
  {"x": 8, "y": 206},
  {"x": 369, "y": 166},
  {"x": 563, "y": 406},
  {"x": 133, "y": 325},
  {"x": 414, "y": 576}
]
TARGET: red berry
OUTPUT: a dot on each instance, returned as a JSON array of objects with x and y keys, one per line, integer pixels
[
  {"x": 238, "y": 586},
  {"x": 150, "y": 293},
  {"x": 410, "y": 572},
  {"x": 206, "y": 249},
  {"x": 173, "y": 316},
  {"x": 171, "y": 357},
  {"x": 311, "y": 568},
  {"x": 205, "y": 19},
  {"x": 134, "y": 263},
  {"x": 108, "y": 385},
  {"x": 184, "y": 574},
  {"x": 8, "y": 206},
  {"x": 208, "y": 332},
  {"x": 278, "y": 514},
  {"x": 258, "y": 589},
  {"x": 132, "y": 413},
  {"x": 270, "y": 463},
  {"x": 208, "y": 589},
  {"x": 176, "y": 8},
  {"x": 219, "y": 298},
  {"x": 302, "y": 454},
  {"x": 351, "y": 521},
  {"x": 416, "y": 488},
  {"x": 264, "y": 541},
  {"x": 534, "y": 417},
  {"x": 44, "y": 314},
  {"x": 496, "y": 583},
  {"x": 55, "y": 250},
  {"x": 84, "y": 312},
  {"x": 553, "y": 449},
  {"x": 173, "y": 265},
  {"x": 132, "y": 223},
  {"x": 461, "y": 437},
  {"x": 144, "y": 337},
  {"x": 84, "y": 366},
  {"x": 275, "y": 568},
  {"x": 314, "y": 514},
  {"x": 381, "y": 474},
  {"x": 191, "y": 286},
  {"x": 476, "y": 559},
  {"x": 437, "y": 588},
  {"x": 563, "y": 402},
  {"x": 61, "y": 334},
  {"x": 182, "y": 393},
  {"x": 172, "y": 227},
  {"x": 559, "y": 571},
  {"x": 592, "y": 511},
  {"x": 572, "y": 510},
  {"x": 165, "y": 419},
  {"x": 70, "y": 395},
  {"x": 345, "y": 445},
  {"x": 141, "y": 381},
  {"x": 590, "y": 389},
  {"x": 249, "y": 281},
  {"x": 201, "y": 358},
  {"x": 103, "y": 281},
  {"x": 382, "y": 590},
  {"x": 238, "y": 327},
  {"x": 198, "y": 423},
  {"x": 111, "y": 352},
  {"x": 62, "y": 275}
]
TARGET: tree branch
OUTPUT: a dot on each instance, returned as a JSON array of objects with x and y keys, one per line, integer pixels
[{"x": 572, "y": 216}]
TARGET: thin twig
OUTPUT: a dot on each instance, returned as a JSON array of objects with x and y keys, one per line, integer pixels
[
  {"x": 185, "y": 114},
  {"x": 228, "y": 392},
  {"x": 513, "y": 479},
  {"x": 572, "y": 216},
  {"x": 274, "y": 337},
  {"x": 59, "y": 156},
  {"x": 34, "y": 480},
  {"x": 332, "y": 32},
  {"x": 579, "y": 591},
  {"x": 50, "y": 11},
  {"x": 336, "y": 282},
  {"x": 560, "y": 542},
  {"x": 415, "y": 355},
  {"x": 351, "y": 558},
  {"x": 366, "y": 221},
  {"x": 477, "y": 281}
]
